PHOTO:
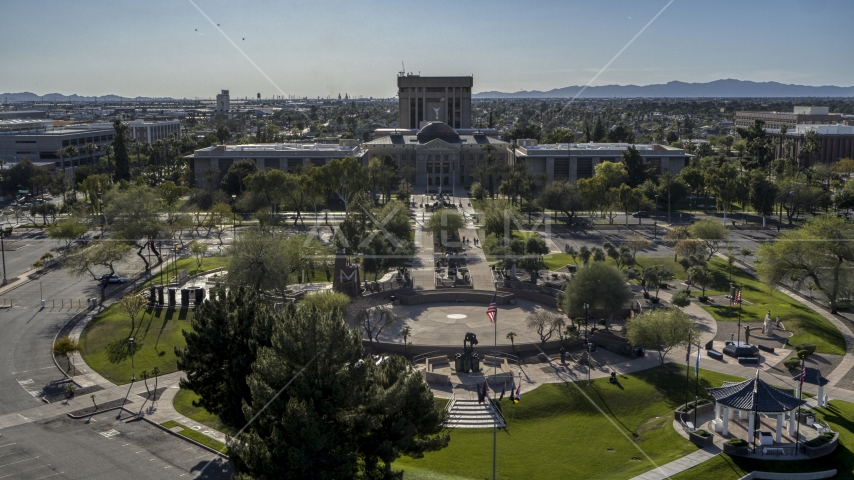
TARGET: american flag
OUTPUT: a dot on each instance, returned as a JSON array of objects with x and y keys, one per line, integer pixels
[
  {"x": 802, "y": 376},
  {"x": 737, "y": 299},
  {"x": 492, "y": 309}
]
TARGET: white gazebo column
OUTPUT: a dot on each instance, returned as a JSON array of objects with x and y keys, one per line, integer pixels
[
  {"x": 779, "y": 436},
  {"x": 792, "y": 422},
  {"x": 717, "y": 410},
  {"x": 751, "y": 425},
  {"x": 821, "y": 396},
  {"x": 727, "y": 413}
]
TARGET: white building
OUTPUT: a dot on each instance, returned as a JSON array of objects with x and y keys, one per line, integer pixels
[
  {"x": 569, "y": 162},
  {"x": 283, "y": 156},
  {"x": 150, "y": 132},
  {"x": 223, "y": 103}
]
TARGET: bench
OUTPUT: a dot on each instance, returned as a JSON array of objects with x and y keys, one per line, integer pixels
[
  {"x": 765, "y": 348},
  {"x": 748, "y": 359},
  {"x": 690, "y": 426},
  {"x": 715, "y": 354}
]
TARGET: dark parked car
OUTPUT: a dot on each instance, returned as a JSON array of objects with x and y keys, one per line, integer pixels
[
  {"x": 113, "y": 279},
  {"x": 641, "y": 214}
]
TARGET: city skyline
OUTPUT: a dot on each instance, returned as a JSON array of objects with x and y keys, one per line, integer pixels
[{"x": 305, "y": 49}]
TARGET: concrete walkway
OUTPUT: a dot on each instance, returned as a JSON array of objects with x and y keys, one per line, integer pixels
[{"x": 680, "y": 465}]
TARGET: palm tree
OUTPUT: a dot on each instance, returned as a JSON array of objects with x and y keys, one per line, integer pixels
[
  {"x": 90, "y": 148},
  {"x": 490, "y": 161},
  {"x": 108, "y": 150},
  {"x": 71, "y": 151},
  {"x": 782, "y": 140},
  {"x": 61, "y": 154},
  {"x": 512, "y": 336}
]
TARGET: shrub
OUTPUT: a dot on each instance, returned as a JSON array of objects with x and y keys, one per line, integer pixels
[
  {"x": 663, "y": 285},
  {"x": 802, "y": 354},
  {"x": 702, "y": 432},
  {"x": 809, "y": 347},
  {"x": 703, "y": 298},
  {"x": 737, "y": 442},
  {"x": 645, "y": 295},
  {"x": 792, "y": 363},
  {"x": 820, "y": 440},
  {"x": 654, "y": 300},
  {"x": 681, "y": 299}
]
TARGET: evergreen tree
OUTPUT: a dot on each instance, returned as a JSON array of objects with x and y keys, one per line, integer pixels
[
  {"x": 341, "y": 417},
  {"x": 227, "y": 331},
  {"x": 636, "y": 169},
  {"x": 120, "y": 151},
  {"x": 599, "y": 131}
]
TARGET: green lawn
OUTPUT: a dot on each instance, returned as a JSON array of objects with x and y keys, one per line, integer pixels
[
  {"x": 192, "y": 266},
  {"x": 183, "y": 403},
  {"x": 807, "y": 325},
  {"x": 838, "y": 415},
  {"x": 157, "y": 333},
  {"x": 196, "y": 436},
  {"x": 555, "y": 432}
]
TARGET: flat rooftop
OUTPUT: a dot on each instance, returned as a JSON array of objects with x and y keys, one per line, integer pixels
[{"x": 597, "y": 147}]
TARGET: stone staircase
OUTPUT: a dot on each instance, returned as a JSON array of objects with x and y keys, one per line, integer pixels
[{"x": 471, "y": 414}]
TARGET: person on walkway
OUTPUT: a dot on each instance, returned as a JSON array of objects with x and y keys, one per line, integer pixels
[{"x": 777, "y": 322}]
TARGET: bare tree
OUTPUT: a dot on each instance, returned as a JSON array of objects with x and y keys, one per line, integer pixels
[
  {"x": 372, "y": 315},
  {"x": 545, "y": 323}
]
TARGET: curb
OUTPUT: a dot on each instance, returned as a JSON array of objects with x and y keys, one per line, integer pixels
[
  {"x": 161, "y": 427},
  {"x": 97, "y": 412}
]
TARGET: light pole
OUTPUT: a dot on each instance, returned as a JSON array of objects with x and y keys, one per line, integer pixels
[
  {"x": 131, "y": 347},
  {"x": 655, "y": 227},
  {"x": 3, "y": 250},
  {"x": 233, "y": 218}
]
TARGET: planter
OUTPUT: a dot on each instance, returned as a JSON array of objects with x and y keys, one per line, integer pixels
[
  {"x": 688, "y": 416},
  {"x": 700, "y": 440},
  {"x": 822, "y": 450},
  {"x": 739, "y": 451}
]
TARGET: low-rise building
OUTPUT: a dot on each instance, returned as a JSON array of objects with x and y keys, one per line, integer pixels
[
  {"x": 572, "y": 161},
  {"x": 799, "y": 115},
  {"x": 836, "y": 141},
  {"x": 283, "y": 156},
  {"x": 39, "y": 140}
]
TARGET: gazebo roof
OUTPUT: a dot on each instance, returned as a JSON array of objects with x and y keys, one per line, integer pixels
[
  {"x": 766, "y": 398},
  {"x": 813, "y": 377}
]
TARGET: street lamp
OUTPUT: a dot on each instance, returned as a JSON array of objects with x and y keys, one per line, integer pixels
[
  {"x": 131, "y": 347},
  {"x": 233, "y": 217},
  {"x": 655, "y": 227},
  {"x": 3, "y": 250}
]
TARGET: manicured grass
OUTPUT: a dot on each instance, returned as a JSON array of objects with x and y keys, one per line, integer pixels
[
  {"x": 555, "y": 431},
  {"x": 196, "y": 436},
  {"x": 158, "y": 331},
  {"x": 192, "y": 266},
  {"x": 183, "y": 403},
  {"x": 807, "y": 325},
  {"x": 838, "y": 415}
]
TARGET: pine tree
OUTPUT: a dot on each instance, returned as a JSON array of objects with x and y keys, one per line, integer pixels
[
  {"x": 599, "y": 131},
  {"x": 227, "y": 331},
  {"x": 120, "y": 151}
]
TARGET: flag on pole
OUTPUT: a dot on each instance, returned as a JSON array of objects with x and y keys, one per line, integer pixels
[
  {"x": 801, "y": 378},
  {"x": 518, "y": 395},
  {"x": 697, "y": 365},
  {"x": 492, "y": 309},
  {"x": 483, "y": 396},
  {"x": 501, "y": 397},
  {"x": 738, "y": 297}
]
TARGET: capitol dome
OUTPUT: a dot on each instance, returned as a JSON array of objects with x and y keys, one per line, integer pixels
[{"x": 438, "y": 130}]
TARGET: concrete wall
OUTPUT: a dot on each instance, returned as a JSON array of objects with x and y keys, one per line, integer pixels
[{"x": 789, "y": 476}]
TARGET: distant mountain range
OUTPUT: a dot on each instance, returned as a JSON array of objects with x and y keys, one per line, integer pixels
[
  {"x": 58, "y": 97},
  {"x": 675, "y": 89}
]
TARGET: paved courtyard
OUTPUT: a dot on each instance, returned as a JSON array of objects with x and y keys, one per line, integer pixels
[{"x": 448, "y": 323}]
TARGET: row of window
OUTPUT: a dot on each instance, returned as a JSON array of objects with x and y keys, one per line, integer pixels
[
  {"x": 84, "y": 141},
  {"x": 434, "y": 89}
]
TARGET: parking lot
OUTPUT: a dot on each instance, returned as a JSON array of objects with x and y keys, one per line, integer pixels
[{"x": 102, "y": 448}]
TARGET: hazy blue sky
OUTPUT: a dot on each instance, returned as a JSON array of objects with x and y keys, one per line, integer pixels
[{"x": 326, "y": 47}]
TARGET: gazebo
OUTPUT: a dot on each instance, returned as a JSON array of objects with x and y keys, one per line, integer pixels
[
  {"x": 813, "y": 377},
  {"x": 755, "y": 397}
]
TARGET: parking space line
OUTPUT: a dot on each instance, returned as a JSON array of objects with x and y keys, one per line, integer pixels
[
  {"x": 8, "y": 445},
  {"x": 51, "y": 475},
  {"x": 19, "y": 461},
  {"x": 27, "y": 470}
]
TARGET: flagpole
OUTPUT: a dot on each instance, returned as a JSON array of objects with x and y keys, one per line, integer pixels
[
  {"x": 494, "y": 375},
  {"x": 696, "y": 385},
  {"x": 687, "y": 376}
]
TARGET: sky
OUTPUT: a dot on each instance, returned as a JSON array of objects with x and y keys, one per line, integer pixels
[{"x": 326, "y": 47}]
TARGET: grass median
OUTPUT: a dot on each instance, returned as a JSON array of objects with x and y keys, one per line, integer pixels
[
  {"x": 197, "y": 437},
  {"x": 557, "y": 432},
  {"x": 183, "y": 403}
]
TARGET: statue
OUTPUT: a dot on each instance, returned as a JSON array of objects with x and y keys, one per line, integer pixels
[
  {"x": 767, "y": 327},
  {"x": 467, "y": 361},
  {"x": 436, "y": 109}
]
